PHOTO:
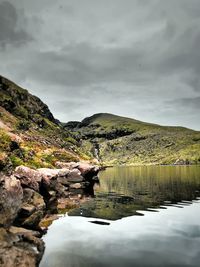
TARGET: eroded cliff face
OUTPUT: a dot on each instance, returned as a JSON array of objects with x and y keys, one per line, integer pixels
[{"x": 118, "y": 140}]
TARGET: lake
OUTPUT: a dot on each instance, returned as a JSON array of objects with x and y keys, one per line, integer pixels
[{"x": 137, "y": 216}]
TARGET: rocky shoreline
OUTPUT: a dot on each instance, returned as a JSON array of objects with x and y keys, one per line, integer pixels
[{"x": 29, "y": 201}]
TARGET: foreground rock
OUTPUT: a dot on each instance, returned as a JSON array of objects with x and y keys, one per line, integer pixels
[
  {"x": 27, "y": 197},
  {"x": 32, "y": 210},
  {"x": 20, "y": 249},
  {"x": 57, "y": 182},
  {"x": 11, "y": 196}
]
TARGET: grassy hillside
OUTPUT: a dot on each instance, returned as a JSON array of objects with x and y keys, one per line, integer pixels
[
  {"x": 118, "y": 140},
  {"x": 29, "y": 134}
]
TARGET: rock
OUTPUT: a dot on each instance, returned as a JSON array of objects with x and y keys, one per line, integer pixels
[
  {"x": 19, "y": 251},
  {"x": 19, "y": 231},
  {"x": 87, "y": 170},
  {"x": 76, "y": 186},
  {"x": 32, "y": 210},
  {"x": 32, "y": 222},
  {"x": 11, "y": 195},
  {"x": 64, "y": 181},
  {"x": 75, "y": 176},
  {"x": 48, "y": 220},
  {"x": 28, "y": 177},
  {"x": 27, "y": 209},
  {"x": 181, "y": 162},
  {"x": 34, "y": 199},
  {"x": 63, "y": 172},
  {"x": 48, "y": 175},
  {"x": 66, "y": 165}
]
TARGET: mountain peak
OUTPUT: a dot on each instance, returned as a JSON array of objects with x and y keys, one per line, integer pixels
[{"x": 20, "y": 102}]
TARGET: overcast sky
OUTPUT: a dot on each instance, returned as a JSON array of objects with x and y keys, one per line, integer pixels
[{"x": 136, "y": 58}]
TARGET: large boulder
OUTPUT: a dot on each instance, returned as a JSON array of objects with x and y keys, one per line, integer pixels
[
  {"x": 28, "y": 177},
  {"x": 11, "y": 195},
  {"x": 66, "y": 165},
  {"x": 87, "y": 170},
  {"x": 17, "y": 250},
  {"x": 49, "y": 174},
  {"x": 32, "y": 209},
  {"x": 75, "y": 176}
]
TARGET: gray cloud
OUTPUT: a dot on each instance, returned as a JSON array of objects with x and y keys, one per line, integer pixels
[
  {"x": 137, "y": 58},
  {"x": 10, "y": 31},
  {"x": 192, "y": 103}
]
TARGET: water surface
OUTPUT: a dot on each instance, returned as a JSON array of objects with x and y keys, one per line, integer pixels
[{"x": 167, "y": 235}]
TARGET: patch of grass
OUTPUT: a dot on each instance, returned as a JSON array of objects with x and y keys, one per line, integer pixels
[{"x": 16, "y": 161}]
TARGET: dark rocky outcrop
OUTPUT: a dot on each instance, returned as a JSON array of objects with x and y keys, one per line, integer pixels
[{"x": 18, "y": 101}]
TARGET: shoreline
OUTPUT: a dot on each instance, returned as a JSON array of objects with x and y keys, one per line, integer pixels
[{"x": 30, "y": 200}]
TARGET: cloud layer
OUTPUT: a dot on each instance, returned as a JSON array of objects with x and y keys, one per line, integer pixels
[{"x": 136, "y": 58}]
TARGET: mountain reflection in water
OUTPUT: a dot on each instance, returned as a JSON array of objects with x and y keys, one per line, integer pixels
[
  {"x": 112, "y": 237},
  {"x": 125, "y": 190}
]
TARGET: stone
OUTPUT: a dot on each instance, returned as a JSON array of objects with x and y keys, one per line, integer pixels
[
  {"x": 48, "y": 220},
  {"x": 27, "y": 209},
  {"x": 67, "y": 165},
  {"x": 87, "y": 170},
  {"x": 32, "y": 210},
  {"x": 76, "y": 186},
  {"x": 32, "y": 222},
  {"x": 24, "y": 251},
  {"x": 28, "y": 177},
  {"x": 75, "y": 176},
  {"x": 64, "y": 181},
  {"x": 63, "y": 172},
  {"x": 19, "y": 231},
  {"x": 32, "y": 198},
  {"x": 11, "y": 195},
  {"x": 48, "y": 174}
]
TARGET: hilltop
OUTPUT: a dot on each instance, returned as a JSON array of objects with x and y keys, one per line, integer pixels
[
  {"x": 119, "y": 140},
  {"x": 31, "y": 136},
  {"x": 29, "y": 133}
]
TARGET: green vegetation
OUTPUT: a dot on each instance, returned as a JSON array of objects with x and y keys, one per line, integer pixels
[
  {"x": 29, "y": 134},
  {"x": 118, "y": 140}
]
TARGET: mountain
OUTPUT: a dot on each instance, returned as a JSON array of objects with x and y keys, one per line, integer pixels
[
  {"x": 118, "y": 140},
  {"x": 29, "y": 133}
]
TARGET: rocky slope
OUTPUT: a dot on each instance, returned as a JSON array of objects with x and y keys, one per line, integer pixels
[
  {"x": 38, "y": 179},
  {"x": 29, "y": 134},
  {"x": 118, "y": 140}
]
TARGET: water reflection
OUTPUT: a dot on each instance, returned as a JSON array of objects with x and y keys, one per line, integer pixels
[
  {"x": 125, "y": 190},
  {"x": 168, "y": 238}
]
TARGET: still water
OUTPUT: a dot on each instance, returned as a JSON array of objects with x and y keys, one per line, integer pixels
[{"x": 138, "y": 216}]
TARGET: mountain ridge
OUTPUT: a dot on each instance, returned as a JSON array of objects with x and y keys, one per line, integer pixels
[
  {"x": 121, "y": 140},
  {"x": 30, "y": 135},
  {"x": 107, "y": 114}
]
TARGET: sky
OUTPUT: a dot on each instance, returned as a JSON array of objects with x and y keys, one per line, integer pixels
[{"x": 135, "y": 58}]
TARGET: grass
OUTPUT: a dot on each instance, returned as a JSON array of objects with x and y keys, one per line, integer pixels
[{"x": 128, "y": 141}]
